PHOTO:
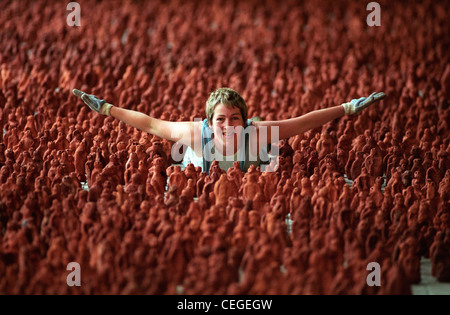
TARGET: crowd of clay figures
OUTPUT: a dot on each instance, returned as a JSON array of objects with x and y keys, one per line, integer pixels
[{"x": 76, "y": 186}]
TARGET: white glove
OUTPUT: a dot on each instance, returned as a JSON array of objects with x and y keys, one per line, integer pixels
[
  {"x": 357, "y": 105},
  {"x": 100, "y": 106}
]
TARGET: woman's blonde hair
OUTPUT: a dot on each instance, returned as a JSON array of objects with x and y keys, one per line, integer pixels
[{"x": 227, "y": 97}]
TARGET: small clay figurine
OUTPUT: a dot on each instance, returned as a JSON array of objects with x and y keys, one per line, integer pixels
[{"x": 223, "y": 189}]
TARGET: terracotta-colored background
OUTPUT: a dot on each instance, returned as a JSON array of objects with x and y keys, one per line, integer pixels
[{"x": 223, "y": 233}]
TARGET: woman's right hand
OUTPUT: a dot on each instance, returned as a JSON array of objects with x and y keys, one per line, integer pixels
[{"x": 94, "y": 103}]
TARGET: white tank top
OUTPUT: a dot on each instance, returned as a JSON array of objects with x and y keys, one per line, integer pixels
[{"x": 225, "y": 162}]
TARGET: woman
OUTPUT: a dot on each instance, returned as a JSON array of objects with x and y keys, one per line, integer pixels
[{"x": 227, "y": 135}]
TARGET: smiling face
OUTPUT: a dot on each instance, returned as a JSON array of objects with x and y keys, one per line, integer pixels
[{"x": 224, "y": 123}]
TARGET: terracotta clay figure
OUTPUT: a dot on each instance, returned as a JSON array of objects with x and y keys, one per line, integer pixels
[
  {"x": 223, "y": 189},
  {"x": 259, "y": 201},
  {"x": 313, "y": 162},
  {"x": 306, "y": 188},
  {"x": 80, "y": 159},
  {"x": 444, "y": 160},
  {"x": 270, "y": 181},
  {"x": 98, "y": 167},
  {"x": 143, "y": 170},
  {"x": 355, "y": 169},
  {"x": 178, "y": 178},
  {"x": 120, "y": 195},
  {"x": 374, "y": 164},
  {"x": 171, "y": 198},
  {"x": 407, "y": 178},
  {"x": 112, "y": 171},
  {"x": 190, "y": 172},
  {"x": 364, "y": 181},
  {"x": 237, "y": 173},
  {"x": 409, "y": 140},
  {"x": 428, "y": 160},
  {"x": 434, "y": 173},
  {"x": 190, "y": 190},
  {"x": 395, "y": 184},
  {"x": 251, "y": 188},
  {"x": 358, "y": 143},
  {"x": 31, "y": 125},
  {"x": 418, "y": 167},
  {"x": 324, "y": 145},
  {"x": 440, "y": 257}
]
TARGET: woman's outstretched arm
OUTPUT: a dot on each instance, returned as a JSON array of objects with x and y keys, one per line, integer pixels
[
  {"x": 291, "y": 127},
  {"x": 173, "y": 131},
  {"x": 294, "y": 126},
  {"x": 182, "y": 132}
]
